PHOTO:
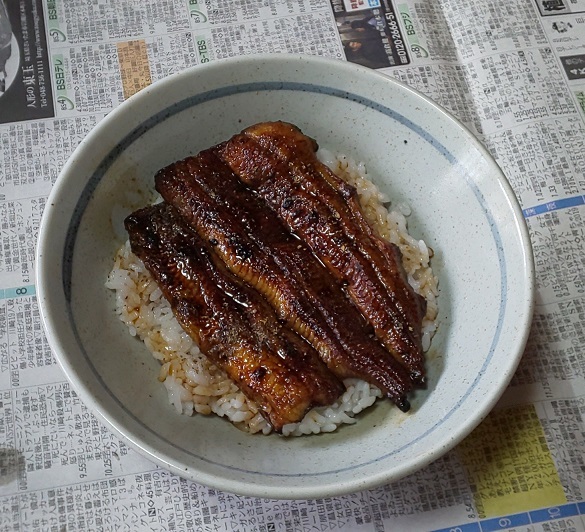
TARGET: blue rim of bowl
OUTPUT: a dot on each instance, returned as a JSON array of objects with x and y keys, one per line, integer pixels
[{"x": 223, "y": 92}]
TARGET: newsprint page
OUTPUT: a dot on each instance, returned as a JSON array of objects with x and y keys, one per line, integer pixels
[{"x": 513, "y": 71}]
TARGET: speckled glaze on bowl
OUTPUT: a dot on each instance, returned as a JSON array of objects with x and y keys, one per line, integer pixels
[{"x": 462, "y": 206}]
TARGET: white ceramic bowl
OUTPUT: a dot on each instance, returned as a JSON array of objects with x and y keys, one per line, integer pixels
[{"x": 462, "y": 206}]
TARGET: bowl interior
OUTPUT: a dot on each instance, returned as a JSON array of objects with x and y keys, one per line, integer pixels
[{"x": 462, "y": 207}]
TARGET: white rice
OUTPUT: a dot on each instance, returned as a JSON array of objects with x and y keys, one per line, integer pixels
[{"x": 195, "y": 385}]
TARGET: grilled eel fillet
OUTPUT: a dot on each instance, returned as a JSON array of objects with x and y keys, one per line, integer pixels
[
  {"x": 232, "y": 324},
  {"x": 279, "y": 163},
  {"x": 259, "y": 249}
]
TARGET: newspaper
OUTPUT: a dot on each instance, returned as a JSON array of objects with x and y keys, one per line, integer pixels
[{"x": 513, "y": 71}]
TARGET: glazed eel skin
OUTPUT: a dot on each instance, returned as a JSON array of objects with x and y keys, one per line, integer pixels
[
  {"x": 259, "y": 249},
  {"x": 232, "y": 324},
  {"x": 278, "y": 161}
]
